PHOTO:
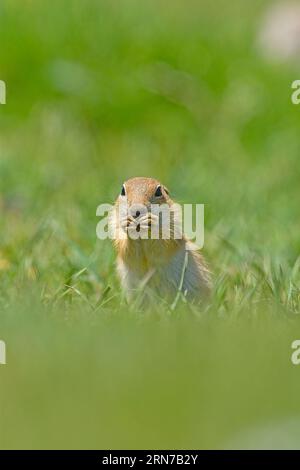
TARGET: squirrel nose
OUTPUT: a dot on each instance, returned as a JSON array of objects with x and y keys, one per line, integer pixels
[{"x": 137, "y": 210}]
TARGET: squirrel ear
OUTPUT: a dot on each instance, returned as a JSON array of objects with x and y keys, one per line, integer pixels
[{"x": 167, "y": 191}]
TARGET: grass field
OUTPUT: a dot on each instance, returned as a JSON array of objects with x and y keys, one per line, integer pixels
[{"x": 100, "y": 91}]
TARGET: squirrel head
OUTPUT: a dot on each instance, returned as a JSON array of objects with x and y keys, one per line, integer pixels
[
  {"x": 144, "y": 192},
  {"x": 146, "y": 223},
  {"x": 135, "y": 211},
  {"x": 139, "y": 194}
]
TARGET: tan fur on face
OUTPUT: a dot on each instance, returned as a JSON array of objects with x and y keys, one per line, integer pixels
[{"x": 141, "y": 191}]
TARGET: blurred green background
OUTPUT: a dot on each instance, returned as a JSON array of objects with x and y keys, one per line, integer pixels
[{"x": 99, "y": 91}]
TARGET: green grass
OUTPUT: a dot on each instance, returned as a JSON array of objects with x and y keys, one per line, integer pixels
[{"x": 100, "y": 91}]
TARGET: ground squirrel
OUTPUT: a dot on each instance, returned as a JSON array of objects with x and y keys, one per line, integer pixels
[{"x": 160, "y": 266}]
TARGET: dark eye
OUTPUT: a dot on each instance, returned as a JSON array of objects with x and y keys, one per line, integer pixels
[
  {"x": 123, "y": 191},
  {"x": 158, "y": 192}
]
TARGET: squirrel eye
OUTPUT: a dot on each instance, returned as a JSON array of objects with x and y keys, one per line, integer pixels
[
  {"x": 123, "y": 191},
  {"x": 158, "y": 192}
]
